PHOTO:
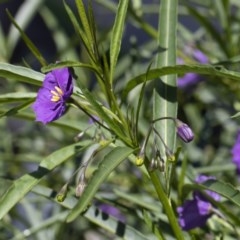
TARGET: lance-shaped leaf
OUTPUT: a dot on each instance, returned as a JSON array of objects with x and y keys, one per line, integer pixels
[
  {"x": 108, "y": 164},
  {"x": 180, "y": 69},
  {"x": 94, "y": 215},
  {"x": 24, "y": 184},
  {"x": 117, "y": 33},
  {"x": 165, "y": 94},
  {"x": 23, "y": 74}
]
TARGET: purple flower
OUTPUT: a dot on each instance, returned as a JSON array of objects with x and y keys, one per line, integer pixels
[
  {"x": 202, "y": 179},
  {"x": 195, "y": 213},
  {"x": 112, "y": 211},
  {"x": 236, "y": 153},
  {"x": 191, "y": 79},
  {"x": 200, "y": 57},
  {"x": 50, "y": 102},
  {"x": 184, "y": 132}
]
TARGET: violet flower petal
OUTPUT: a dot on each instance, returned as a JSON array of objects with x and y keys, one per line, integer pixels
[
  {"x": 112, "y": 211},
  {"x": 191, "y": 79},
  {"x": 202, "y": 179},
  {"x": 236, "y": 152},
  {"x": 188, "y": 80},
  {"x": 50, "y": 102},
  {"x": 194, "y": 213},
  {"x": 200, "y": 56}
]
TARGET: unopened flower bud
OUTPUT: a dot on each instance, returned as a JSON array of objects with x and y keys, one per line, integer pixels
[
  {"x": 153, "y": 164},
  {"x": 170, "y": 155},
  {"x": 62, "y": 193},
  {"x": 79, "y": 136},
  {"x": 139, "y": 160},
  {"x": 80, "y": 188},
  {"x": 184, "y": 132},
  {"x": 103, "y": 142}
]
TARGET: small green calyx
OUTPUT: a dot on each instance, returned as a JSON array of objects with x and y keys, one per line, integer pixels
[
  {"x": 171, "y": 158},
  {"x": 62, "y": 194},
  {"x": 61, "y": 197},
  {"x": 139, "y": 161}
]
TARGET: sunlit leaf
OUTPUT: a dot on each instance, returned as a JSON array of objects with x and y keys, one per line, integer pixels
[
  {"x": 107, "y": 165},
  {"x": 16, "y": 97},
  {"x": 181, "y": 69},
  {"x": 23, "y": 74},
  {"x": 28, "y": 42},
  {"x": 117, "y": 33},
  {"x": 94, "y": 215},
  {"x": 24, "y": 184}
]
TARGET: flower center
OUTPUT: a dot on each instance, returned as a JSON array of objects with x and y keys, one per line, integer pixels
[{"x": 56, "y": 94}]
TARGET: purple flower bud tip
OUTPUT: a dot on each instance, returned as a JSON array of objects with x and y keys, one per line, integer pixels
[
  {"x": 50, "y": 102},
  {"x": 184, "y": 132}
]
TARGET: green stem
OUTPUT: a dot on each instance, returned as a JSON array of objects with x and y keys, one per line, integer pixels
[{"x": 166, "y": 205}]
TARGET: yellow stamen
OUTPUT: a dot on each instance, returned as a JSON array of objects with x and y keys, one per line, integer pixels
[
  {"x": 55, "y": 98},
  {"x": 56, "y": 95},
  {"x": 59, "y": 90}
]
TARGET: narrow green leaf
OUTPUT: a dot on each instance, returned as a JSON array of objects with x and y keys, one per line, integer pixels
[
  {"x": 165, "y": 94},
  {"x": 149, "y": 29},
  {"x": 224, "y": 189},
  {"x": 117, "y": 33},
  {"x": 221, "y": 12},
  {"x": 141, "y": 95},
  {"x": 13, "y": 72},
  {"x": 65, "y": 47},
  {"x": 24, "y": 184},
  {"x": 19, "y": 108},
  {"x": 145, "y": 26},
  {"x": 236, "y": 115},
  {"x": 139, "y": 201},
  {"x": 107, "y": 165},
  {"x": 165, "y": 99},
  {"x": 152, "y": 225},
  {"x": 16, "y": 97},
  {"x": 204, "y": 21},
  {"x": 23, "y": 20},
  {"x": 69, "y": 64},
  {"x": 4, "y": 185},
  {"x": 39, "y": 227},
  {"x": 28, "y": 42},
  {"x": 94, "y": 215},
  {"x": 84, "y": 21},
  {"x": 4, "y": 51},
  {"x": 79, "y": 31},
  {"x": 105, "y": 117},
  {"x": 181, "y": 69}
]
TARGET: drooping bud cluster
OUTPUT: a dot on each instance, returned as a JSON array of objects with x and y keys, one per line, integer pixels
[{"x": 184, "y": 132}]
